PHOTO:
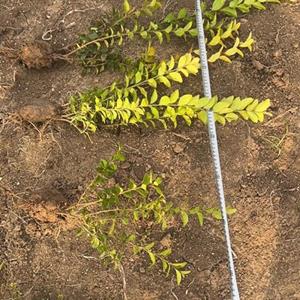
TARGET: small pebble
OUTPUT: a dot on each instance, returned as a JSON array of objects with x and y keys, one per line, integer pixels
[
  {"x": 277, "y": 54},
  {"x": 178, "y": 148},
  {"x": 257, "y": 65}
]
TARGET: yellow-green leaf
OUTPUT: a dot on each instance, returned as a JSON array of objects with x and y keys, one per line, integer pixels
[
  {"x": 152, "y": 257},
  {"x": 202, "y": 116},
  {"x": 165, "y": 81},
  {"x": 185, "y": 99},
  {"x": 165, "y": 100},
  {"x": 253, "y": 117},
  {"x": 175, "y": 76},
  {"x": 219, "y": 106},
  {"x": 154, "y": 97},
  {"x": 178, "y": 277},
  {"x": 215, "y": 41},
  {"x": 162, "y": 68},
  {"x": 152, "y": 82},
  {"x": 138, "y": 77},
  {"x": 126, "y": 6},
  {"x": 215, "y": 56},
  {"x": 174, "y": 96},
  {"x": 263, "y": 106},
  {"x": 226, "y": 59},
  {"x": 182, "y": 61},
  {"x": 184, "y": 218},
  {"x": 218, "y": 4}
]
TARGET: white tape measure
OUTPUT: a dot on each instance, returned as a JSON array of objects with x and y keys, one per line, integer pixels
[{"x": 215, "y": 149}]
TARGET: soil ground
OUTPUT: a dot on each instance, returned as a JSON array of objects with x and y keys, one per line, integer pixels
[{"x": 44, "y": 169}]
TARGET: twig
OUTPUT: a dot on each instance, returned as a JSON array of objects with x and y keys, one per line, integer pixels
[
  {"x": 121, "y": 269},
  {"x": 291, "y": 110},
  {"x": 174, "y": 295}
]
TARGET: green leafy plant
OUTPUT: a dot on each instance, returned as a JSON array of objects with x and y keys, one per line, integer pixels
[
  {"x": 100, "y": 48},
  {"x": 233, "y": 7},
  {"x": 120, "y": 219},
  {"x": 137, "y": 100}
]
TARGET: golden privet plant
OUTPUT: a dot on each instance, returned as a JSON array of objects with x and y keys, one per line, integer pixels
[{"x": 149, "y": 94}]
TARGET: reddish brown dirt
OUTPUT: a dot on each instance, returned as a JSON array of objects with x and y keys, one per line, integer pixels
[{"x": 44, "y": 168}]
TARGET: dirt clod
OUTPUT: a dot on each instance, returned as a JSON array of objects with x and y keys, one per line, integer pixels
[
  {"x": 37, "y": 113},
  {"x": 36, "y": 55},
  {"x": 178, "y": 148},
  {"x": 257, "y": 65}
]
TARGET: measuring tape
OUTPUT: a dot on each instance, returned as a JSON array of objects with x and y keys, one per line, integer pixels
[{"x": 215, "y": 149}]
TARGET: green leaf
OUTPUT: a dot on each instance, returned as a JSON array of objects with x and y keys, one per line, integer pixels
[
  {"x": 179, "y": 32},
  {"x": 200, "y": 218},
  {"x": 149, "y": 246},
  {"x": 155, "y": 112},
  {"x": 126, "y": 6},
  {"x": 230, "y": 11},
  {"x": 202, "y": 116},
  {"x": 169, "y": 29},
  {"x": 230, "y": 211},
  {"x": 164, "y": 101},
  {"x": 147, "y": 179},
  {"x": 175, "y": 76},
  {"x": 184, "y": 217},
  {"x": 144, "y": 34},
  {"x": 131, "y": 238},
  {"x": 215, "y": 56},
  {"x": 138, "y": 77},
  {"x": 258, "y": 5},
  {"x": 152, "y": 257},
  {"x": 220, "y": 106},
  {"x": 263, "y": 106},
  {"x": 216, "y": 213},
  {"x": 252, "y": 116},
  {"x": 162, "y": 68},
  {"x": 178, "y": 277},
  {"x": 136, "y": 215},
  {"x": 182, "y": 13},
  {"x": 165, "y": 81},
  {"x": 95, "y": 242},
  {"x": 185, "y": 100},
  {"x": 179, "y": 265},
  {"x": 218, "y": 4},
  {"x": 166, "y": 252},
  {"x": 159, "y": 36},
  {"x": 154, "y": 97},
  {"x": 164, "y": 265},
  {"x": 152, "y": 82},
  {"x": 193, "y": 32},
  {"x": 174, "y": 96},
  {"x": 182, "y": 62},
  {"x": 157, "y": 181}
]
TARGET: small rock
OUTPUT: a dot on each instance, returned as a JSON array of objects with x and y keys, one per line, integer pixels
[
  {"x": 126, "y": 165},
  {"x": 178, "y": 148},
  {"x": 80, "y": 188},
  {"x": 166, "y": 242},
  {"x": 139, "y": 171},
  {"x": 142, "y": 270},
  {"x": 257, "y": 65},
  {"x": 36, "y": 55},
  {"x": 279, "y": 72},
  {"x": 37, "y": 113},
  {"x": 277, "y": 54},
  {"x": 49, "y": 195}
]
